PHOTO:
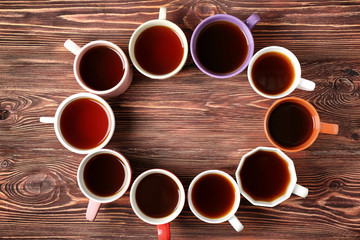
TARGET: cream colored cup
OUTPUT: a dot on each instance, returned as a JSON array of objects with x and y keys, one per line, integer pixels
[
  {"x": 56, "y": 121},
  {"x": 158, "y": 22},
  {"x": 298, "y": 82}
]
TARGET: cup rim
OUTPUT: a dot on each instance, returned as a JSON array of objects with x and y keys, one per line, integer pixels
[
  {"x": 87, "y": 192},
  {"x": 61, "y": 108},
  {"x": 295, "y": 63},
  {"x": 229, "y": 18},
  {"x": 153, "y": 23},
  {"x": 163, "y": 220},
  {"x": 81, "y": 53},
  {"x": 316, "y": 124},
  {"x": 234, "y": 207},
  {"x": 290, "y": 187}
]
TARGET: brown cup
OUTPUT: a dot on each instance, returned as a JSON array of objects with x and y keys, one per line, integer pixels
[{"x": 318, "y": 127}]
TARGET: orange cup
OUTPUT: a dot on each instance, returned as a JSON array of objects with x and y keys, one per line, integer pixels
[{"x": 317, "y": 126}]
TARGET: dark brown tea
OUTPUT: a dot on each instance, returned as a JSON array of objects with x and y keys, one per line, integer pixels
[
  {"x": 101, "y": 68},
  {"x": 213, "y": 195},
  {"x": 273, "y": 73},
  {"x": 85, "y": 123},
  {"x": 290, "y": 124},
  {"x": 265, "y": 176},
  {"x": 104, "y": 174},
  {"x": 157, "y": 195},
  {"x": 159, "y": 50},
  {"x": 221, "y": 47}
]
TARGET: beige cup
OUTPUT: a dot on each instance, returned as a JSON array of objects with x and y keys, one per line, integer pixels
[{"x": 158, "y": 22}]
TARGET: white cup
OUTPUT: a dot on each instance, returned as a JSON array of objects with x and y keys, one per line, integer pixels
[
  {"x": 292, "y": 187},
  {"x": 158, "y": 22},
  {"x": 56, "y": 121},
  {"x": 94, "y": 200},
  {"x": 298, "y": 82},
  {"x": 163, "y": 224},
  {"x": 230, "y": 216},
  {"x": 79, "y": 52}
]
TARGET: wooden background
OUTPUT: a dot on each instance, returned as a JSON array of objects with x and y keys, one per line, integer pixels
[{"x": 186, "y": 124}]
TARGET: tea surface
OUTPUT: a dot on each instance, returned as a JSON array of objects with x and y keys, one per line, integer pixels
[
  {"x": 290, "y": 124},
  {"x": 157, "y": 195},
  {"x": 159, "y": 50},
  {"x": 273, "y": 73},
  {"x": 101, "y": 68},
  {"x": 265, "y": 176},
  {"x": 104, "y": 174},
  {"x": 85, "y": 123},
  {"x": 213, "y": 195},
  {"x": 221, "y": 47}
]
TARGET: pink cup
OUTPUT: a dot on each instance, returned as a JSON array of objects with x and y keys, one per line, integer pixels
[{"x": 95, "y": 201}]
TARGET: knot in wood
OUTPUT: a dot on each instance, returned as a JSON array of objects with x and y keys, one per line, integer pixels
[
  {"x": 4, "y": 163},
  {"x": 4, "y": 114},
  {"x": 335, "y": 185},
  {"x": 344, "y": 85},
  {"x": 355, "y": 136}
]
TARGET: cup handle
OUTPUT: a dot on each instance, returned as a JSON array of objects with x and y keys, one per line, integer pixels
[
  {"x": 162, "y": 13},
  {"x": 300, "y": 191},
  {"x": 252, "y": 20},
  {"x": 236, "y": 223},
  {"x": 47, "y": 119},
  {"x": 164, "y": 231},
  {"x": 92, "y": 210},
  {"x": 306, "y": 85},
  {"x": 72, "y": 47},
  {"x": 329, "y": 128}
]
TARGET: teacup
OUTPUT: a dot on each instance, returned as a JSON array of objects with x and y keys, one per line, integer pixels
[
  {"x": 83, "y": 123},
  {"x": 293, "y": 124},
  {"x": 222, "y": 45},
  {"x": 275, "y": 72},
  {"x": 157, "y": 197},
  {"x": 158, "y": 48},
  {"x": 267, "y": 177},
  {"x": 214, "y": 197},
  {"x": 101, "y": 67},
  {"x": 103, "y": 176}
]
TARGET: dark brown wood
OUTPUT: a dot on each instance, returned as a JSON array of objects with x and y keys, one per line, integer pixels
[{"x": 186, "y": 124}]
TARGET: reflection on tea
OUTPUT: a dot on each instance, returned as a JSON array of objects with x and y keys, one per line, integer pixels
[
  {"x": 221, "y": 47},
  {"x": 85, "y": 123},
  {"x": 213, "y": 195},
  {"x": 104, "y": 174},
  {"x": 159, "y": 50},
  {"x": 265, "y": 176}
]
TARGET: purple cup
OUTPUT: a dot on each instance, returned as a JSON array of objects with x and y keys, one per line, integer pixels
[{"x": 244, "y": 27}]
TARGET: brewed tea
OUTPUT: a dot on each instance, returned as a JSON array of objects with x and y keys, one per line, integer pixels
[
  {"x": 213, "y": 195},
  {"x": 85, "y": 123},
  {"x": 159, "y": 50},
  {"x": 265, "y": 176},
  {"x": 221, "y": 47},
  {"x": 101, "y": 68},
  {"x": 157, "y": 195},
  {"x": 290, "y": 124},
  {"x": 104, "y": 174},
  {"x": 273, "y": 73}
]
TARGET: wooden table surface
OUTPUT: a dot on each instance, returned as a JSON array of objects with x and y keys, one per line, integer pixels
[{"x": 185, "y": 124}]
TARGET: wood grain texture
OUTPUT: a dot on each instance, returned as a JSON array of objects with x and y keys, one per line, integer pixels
[{"x": 186, "y": 124}]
